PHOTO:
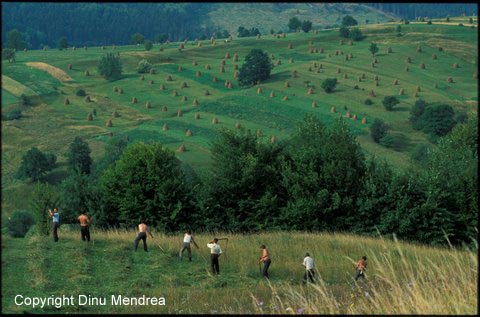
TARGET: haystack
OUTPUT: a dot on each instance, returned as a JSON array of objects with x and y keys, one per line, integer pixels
[
  {"x": 184, "y": 84},
  {"x": 237, "y": 125},
  {"x": 198, "y": 73},
  {"x": 354, "y": 117},
  {"x": 272, "y": 94},
  {"x": 401, "y": 92},
  {"x": 115, "y": 114},
  {"x": 259, "y": 90},
  {"x": 89, "y": 116},
  {"x": 350, "y": 43},
  {"x": 120, "y": 91},
  {"x": 87, "y": 99},
  {"x": 389, "y": 50},
  {"x": 258, "y": 36},
  {"x": 363, "y": 76},
  {"x": 174, "y": 93},
  {"x": 184, "y": 98},
  {"x": 195, "y": 102},
  {"x": 230, "y": 85},
  {"x": 449, "y": 80},
  {"x": 435, "y": 85},
  {"x": 182, "y": 46},
  {"x": 290, "y": 46},
  {"x": 109, "y": 123},
  {"x": 340, "y": 42},
  {"x": 286, "y": 84},
  {"x": 290, "y": 60},
  {"x": 179, "y": 113},
  {"x": 162, "y": 87},
  {"x": 364, "y": 120},
  {"x": 434, "y": 56},
  {"x": 339, "y": 70},
  {"x": 345, "y": 76},
  {"x": 66, "y": 101},
  {"x": 169, "y": 78},
  {"x": 153, "y": 71},
  {"x": 164, "y": 108},
  {"x": 235, "y": 66},
  {"x": 227, "y": 55},
  {"x": 294, "y": 74},
  {"x": 415, "y": 95},
  {"x": 142, "y": 77},
  {"x": 214, "y": 120},
  {"x": 348, "y": 115},
  {"x": 455, "y": 65},
  {"x": 375, "y": 77},
  {"x": 214, "y": 79},
  {"x": 222, "y": 62},
  {"x": 222, "y": 69},
  {"x": 150, "y": 82},
  {"x": 115, "y": 89},
  {"x": 279, "y": 62},
  {"x": 314, "y": 104},
  {"x": 321, "y": 49},
  {"x": 337, "y": 53},
  {"x": 197, "y": 115},
  {"x": 207, "y": 67},
  {"x": 320, "y": 66},
  {"x": 194, "y": 63},
  {"x": 235, "y": 75},
  {"x": 70, "y": 66},
  {"x": 180, "y": 69},
  {"x": 346, "y": 57},
  {"x": 419, "y": 49},
  {"x": 310, "y": 91},
  {"x": 418, "y": 89},
  {"x": 206, "y": 93},
  {"x": 148, "y": 105},
  {"x": 395, "y": 82},
  {"x": 86, "y": 73},
  {"x": 134, "y": 100},
  {"x": 273, "y": 139},
  {"x": 285, "y": 98},
  {"x": 376, "y": 83},
  {"x": 165, "y": 127},
  {"x": 235, "y": 57},
  {"x": 259, "y": 133},
  {"x": 333, "y": 110},
  {"x": 422, "y": 66},
  {"x": 408, "y": 60},
  {"x": 181, "y": 148},
  {"x": 371, "y": 93},
  {"x": 188, "y": 133},
  {"x": 406, "y": 68}
]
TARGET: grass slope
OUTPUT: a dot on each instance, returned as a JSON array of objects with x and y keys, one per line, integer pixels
[
  {"x": 51, "y": 125},
  {"x": 403, "y": 278}
]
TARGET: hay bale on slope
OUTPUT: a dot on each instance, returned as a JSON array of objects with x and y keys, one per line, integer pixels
[
  {"x": 89, "y": 116},
  {"x": 109, "y": 123}
]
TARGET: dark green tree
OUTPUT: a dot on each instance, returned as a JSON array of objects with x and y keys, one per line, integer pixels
[
  {"x": 62, "y": 43},
  {"x": 146, "y": 183},
  {"x": 395, "y": 141},
  {"x": 344, "y": 32},
  {"x": 148, "y": 45},
  {"x": 373, "y": 48},
  {"x": 137, "y": 38},
  {"x": 416, "y": 113},
  {"x": 161, "y": 38},
  {"x": 349, "y": 21},
  {"x": 113, "y": 151},
  {"x": 243, "y": 189},
  {"x": 35, "y": 164},
  {"x": 329, "y": 84},
  {"x": 389, "y": 102},
  {"x": 15, "y": 40},
  {"x": 8, "y": 54},
  {"x": 44, "y": 197},
  {"x": 75, "y": 196},
  {"x": 306, "y": 26},
  {"x": 356, "y": 34},
  {"x": 378, "y": 130},
  {"x": 438, "y": 120},
  {"x": 110, "y": 67},
  {"x": 294, "y": 24},
  {"x": 19, "y": 223},
  {"x": 322, "y": 175},
  {"x": 257, "y": 67},
  {"x": 78, "y": 156}
]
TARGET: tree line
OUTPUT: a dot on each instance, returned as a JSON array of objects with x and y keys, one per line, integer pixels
[{"x": 317, "y": 180}]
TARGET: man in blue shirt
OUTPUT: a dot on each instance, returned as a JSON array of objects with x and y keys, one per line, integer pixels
[{"x": 56, "y": 222}]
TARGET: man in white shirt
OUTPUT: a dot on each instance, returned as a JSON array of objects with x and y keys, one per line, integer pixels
[
  {"x": 215, "y": 252},
  {"x": 309, "y": 268},
  {"x": 187, "y": 239}
]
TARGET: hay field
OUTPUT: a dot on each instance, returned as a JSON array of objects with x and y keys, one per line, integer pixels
[
  {"x": 52, "y": 70},
  {"x": 401, "y": 278}
]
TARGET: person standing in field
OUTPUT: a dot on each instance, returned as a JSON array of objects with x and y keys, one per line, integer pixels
[
  {"x": 360, "y": 268},
  {"x": 309, "y": 268},
  {"x": 265, "y": 258},
  {"x": 84, "y": 229},
  {"x": 142, "y": 235},
  {"x": 187, "y": 239},
  {"x": 215, "y": 252},
  {"x": 55, "y": 215}
]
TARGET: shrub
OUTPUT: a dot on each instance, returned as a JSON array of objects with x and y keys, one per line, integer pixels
[
  {"x": 389, "y": 102},
  {"x": 81, "y": 93},
  {"x": 144, "y": 66},
  {"x": 257, "y": 67},
  {"x": 25, "y": 101},
  {"x": 416, "y": 112},
  {"x": 34, "y": 164},
  {"x": 356, "y": 34},
  {"x": 344, "y": 32},
  {"x": 19, "y": 223},
  {"x": 462, "y": 117},
  {"x": 378, "y": 130},
  {"x": 397, "y": 141},
  {"x": 368, "y": 102},
  {"x": 348, "y": 21},
  {"x": 420, "y": 152},
  {"x": 438, "y": 120},
  {"x": 14, "y": 114},
  {"x": 110, "y": 67},
  {"x": 148, "y": 45},
  {"x": 329, "y": 84},
  {"x": 8, "y": 54}
]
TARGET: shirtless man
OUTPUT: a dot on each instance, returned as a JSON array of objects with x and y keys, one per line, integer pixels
[
  {"x": 142, "y": 235},
  {"x": 84, "y": 222}
]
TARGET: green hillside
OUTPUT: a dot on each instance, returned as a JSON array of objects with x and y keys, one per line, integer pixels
[
  {"x": 51, "y": 125},
  {"x": 401, "y": 278}
]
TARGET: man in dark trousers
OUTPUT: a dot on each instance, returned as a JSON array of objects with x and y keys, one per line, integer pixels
[
  {"x": 142, "y": 235},
  {"x": 360, "y": 268},
  {"x": 215, "y": 252},
  {"x": 265, "y": 258},
  {"x": 55, "y": 215},
  {"x": 187, "y": 240},
  {"x": 84, "y": 223},
  {"x": 309, "y": 269}
]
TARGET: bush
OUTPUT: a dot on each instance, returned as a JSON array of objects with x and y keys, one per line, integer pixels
[
  {"x": 306, "y": 26},
  {"x": 417, "y": 110},
  {"x": 8, "y": 54},
  {"x": 148, "y": 45},
  {"x": 420, "y": 152},
  {"x": 389, "y": 102},
  {"x": 81, "y": 93},
  {"x": 378, "y": 130},
  {"x": 25, "y": 101},
  {"x": 368, "y": 102},
  {"x": 110, "y": 67},
  {"x": 34, "y": 164},
  {"x": 144, "y": 66},
  {"x": 429, "y": 22},
  {"x": 356, "y": 34},
  {"x": 462, "y": 117},
  {"x": 348, "y": 21},
  {"x": 397, "y": 141},
  {"x": 438, "y": 120},
  {"x": 14, "y": 114},
  {"x": 257, "y": 67},
  {"x": 19, "y": 223},
  {"x": 406, "y": 21},
  {"x": 329, "y": 84},
  {"x": 344, "y": 32}
]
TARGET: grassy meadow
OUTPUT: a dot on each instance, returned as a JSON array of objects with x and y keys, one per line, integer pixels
[{"x": 401, "y": 278}]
